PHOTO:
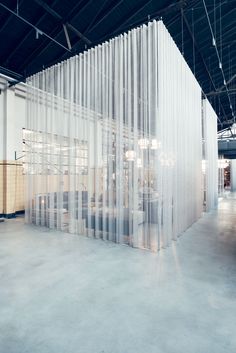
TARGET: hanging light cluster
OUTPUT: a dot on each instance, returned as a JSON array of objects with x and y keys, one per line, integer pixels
[
  {"x": 152, "y": 144},
  {"x": 120, "y": 135}
]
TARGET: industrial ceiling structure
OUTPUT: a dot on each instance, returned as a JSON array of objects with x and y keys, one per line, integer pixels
[{"x": 35, "y": 34}]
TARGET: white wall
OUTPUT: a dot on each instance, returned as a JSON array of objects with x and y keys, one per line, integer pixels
[{"x": 12, "y": 119}]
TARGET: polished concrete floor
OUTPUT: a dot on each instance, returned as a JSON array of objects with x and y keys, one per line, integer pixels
[{"x": 62, "y": 294}]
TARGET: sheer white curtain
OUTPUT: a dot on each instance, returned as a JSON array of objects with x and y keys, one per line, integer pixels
[
  {"x": 113, "y": 142},
  {"x": 210, "y": 156},
  {"x": 179, "y": 119}
]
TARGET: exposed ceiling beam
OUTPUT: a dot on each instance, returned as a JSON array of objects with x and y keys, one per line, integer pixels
[
  {"x": 78, "y": 33},
  {"x": 5, "y": 23},
  {"x": 134, "y": 13},
  {"x": 25, "y": 37},
  {"x": 202, "y": 59},
  {"x": 124, "y": 24},
  {"x": 222, "y": 88},
  {"x": 48, "y": 9},
  {"x": 97, "y": 16},
  {"x": 67, "y": 36},
  {"x": 106, "y": 13},
  {"x": 212, "y": 94},
  {"x": 112, "y": 6},
  {"x": 228, "y": 30},
  {"x": 56, "y": 31},
  {"x": 60, "y": 18},
  {"x": 33, "y": 26},
  {"x": 10, "y": 73},
  {"x": 171, "y": 7},
  {"x": 214, "y": 8},
  {"x": 231, "y": 79},
  {"x": 218, "y": 56}
]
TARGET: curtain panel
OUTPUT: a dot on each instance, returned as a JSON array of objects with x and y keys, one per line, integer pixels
[{"x": 113, "y": 142}]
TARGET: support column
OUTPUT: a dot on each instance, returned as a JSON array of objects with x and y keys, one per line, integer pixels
[{"x": 233, "y": 174}]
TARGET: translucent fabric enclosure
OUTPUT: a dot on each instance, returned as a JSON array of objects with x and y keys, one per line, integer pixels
[
  {"x": 114, "y": 142},
  {"x": 210, "y": 156}
]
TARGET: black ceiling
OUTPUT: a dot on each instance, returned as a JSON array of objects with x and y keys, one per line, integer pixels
[{"x": 33, "y": 36}]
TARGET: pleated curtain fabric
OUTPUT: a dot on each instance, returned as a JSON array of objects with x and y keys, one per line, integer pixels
[
  {"x": 113, "y": 142},
  {"x": 210, "y": 156}
]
